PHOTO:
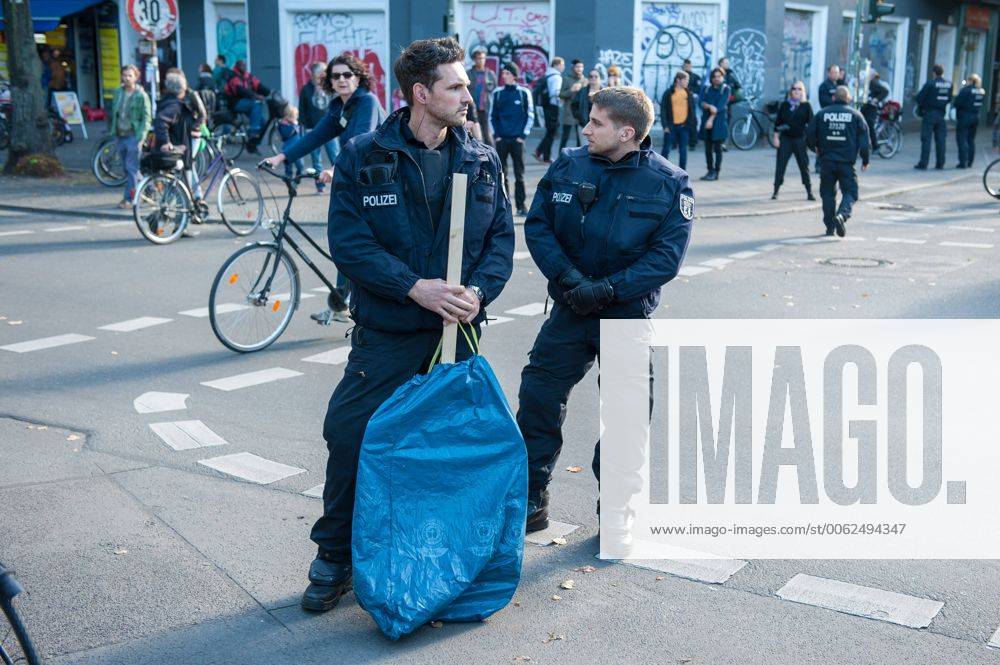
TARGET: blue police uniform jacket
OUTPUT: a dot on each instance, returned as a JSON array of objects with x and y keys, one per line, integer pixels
[
  {"x": 839, "y": 133},
  {"x": 635, "y": 234},
  {"x": 968, "y": 104},
  {"x": 935, "y": 96},
  {"x": 383, "y": 238}
]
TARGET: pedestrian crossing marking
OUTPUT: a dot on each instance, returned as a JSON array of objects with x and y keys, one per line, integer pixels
[
  {"x": 981, "y": 229},
  {"x": 531, "y": 309},
  {"x": 971, "y": 245},
  {"x": 717, "y": 263},
  {"x": 769, "y": 247},
  {"x": 135, "y": 324},
  {"x": 497, "y": 320},
  {"x": 907, "y": 241},
  {"x": 186, "y": 434},
  {"x": 315, "y": 492},
  {"x": 251, "y": 379},
  {"x": 46, "y": 343},
  {"x": 252, "y": 468},
  {"x": 710, "y": 571},
  {"x": 691, "y": 271},
  {"x": 224, "y": 308},
  {"x": 156, "y": 402},
  {"x": 59, "y": 229},
  {"x": 331, "y": 357},
  {"x": 22, "y": 232},
  {"x": 744, "y": 255},
  {"x": 107, "y": 225}
]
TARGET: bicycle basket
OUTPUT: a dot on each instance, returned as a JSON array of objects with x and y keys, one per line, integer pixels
[
  {"x": 161, "y": 160},
  {"x": 890, "y": 111},
  {"x": 276, "y": 105},
  {"x": 771, "y": 108}
]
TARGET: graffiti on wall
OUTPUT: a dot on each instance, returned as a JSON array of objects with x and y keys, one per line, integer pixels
[
  {"x": 518, "y": 32},
  {"x": 910, "y": 83},
  {"x": 882, "y": 50},
  {"x": 231, "y": 32},
  {"x": 320, "y": 36},
  {"x": 797, "y": 49},
  {"x": 621, "y": 59},
  {"x": 672, "y": 32},
  {"x": 745, "y": 50}
]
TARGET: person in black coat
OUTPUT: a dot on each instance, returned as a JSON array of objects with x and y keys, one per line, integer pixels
[
  {"x": 678, "y": 128},
  {"x": 878, "y": 92},
  {"x": 968, "y": 104},
  {"x": 794, "y": 116}
]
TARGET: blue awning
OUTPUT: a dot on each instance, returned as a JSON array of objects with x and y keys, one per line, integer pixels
[{"x": 47, "y": 14}]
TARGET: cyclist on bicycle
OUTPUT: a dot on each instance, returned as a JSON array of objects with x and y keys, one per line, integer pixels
[
  {"x": 246, "y": 95},
  {"x": 878, "y": 92},
  {"x": 179, "y": 119}
]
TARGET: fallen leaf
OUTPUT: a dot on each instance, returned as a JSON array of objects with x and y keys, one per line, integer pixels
[
  {"x": 585, "y": 569},
  {"x": 558, "y": 541},
  {"x": 522, "y": 659},
  {"x": 574, "y": 469},
  {"x": 517, "y": 604},
  {"x": 555, "y": 597},
  {"x": 659, "y": 578},
  {"x": 567, "y": 584},
  {"x": 553, "y": 637},
  {"x": 436, "y": 623},
  {"x": 73, "y": 437},
  {"x": 120, "y": 551}
]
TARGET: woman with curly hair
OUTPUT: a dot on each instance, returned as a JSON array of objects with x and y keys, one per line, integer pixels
[{"x": 354, "y": 110}]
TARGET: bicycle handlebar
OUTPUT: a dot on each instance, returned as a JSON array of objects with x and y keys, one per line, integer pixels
[{"x": 310, "y": 174}]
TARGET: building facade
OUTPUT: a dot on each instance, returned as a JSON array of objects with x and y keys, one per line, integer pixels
[{"x": 769, "y": 43}]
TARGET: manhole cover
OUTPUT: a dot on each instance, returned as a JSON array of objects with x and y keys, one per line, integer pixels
[{"x": 856, "y": 262}]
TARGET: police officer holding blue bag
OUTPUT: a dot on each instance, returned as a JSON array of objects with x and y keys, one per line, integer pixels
[
  {"x": 388, "y": 232},
  {"x": 932, "y": 104},
  {"x": 609, "y": 226}
]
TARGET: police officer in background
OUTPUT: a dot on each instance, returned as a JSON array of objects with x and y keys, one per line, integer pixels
[
  {"x": 388, "y": 232},
  {"x": 968, "y": 104},
  {"x": 837, "y": 134},
  {"x": 609, "y": 226},
  {"x": 932, "y": 103}
]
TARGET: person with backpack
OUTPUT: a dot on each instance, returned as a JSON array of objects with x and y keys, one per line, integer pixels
[
  {"x": 546, "y": 93},
  {"x": 512, "y": 115}
]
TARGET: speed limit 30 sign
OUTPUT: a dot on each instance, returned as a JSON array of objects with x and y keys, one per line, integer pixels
[{"x": 153, "y": 19}]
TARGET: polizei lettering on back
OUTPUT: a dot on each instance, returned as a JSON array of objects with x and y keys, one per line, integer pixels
[{"x": 379, "y": 200}]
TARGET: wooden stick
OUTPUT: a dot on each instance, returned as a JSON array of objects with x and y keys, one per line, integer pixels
[{"x": 456, "y": 245}]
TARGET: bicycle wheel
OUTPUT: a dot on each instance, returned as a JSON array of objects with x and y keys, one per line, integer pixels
[
  {"x": 15, "y": 643},
  {"x": 240, "y": 202},
  {"x": 769, "y": 133},
  {"x": 107, "y": 164},
  {"x": 202, "y": 160},
  {"x": 991, "y": 179},
  {"x": 233, "y": 143},
  {"x": 744, "y": 133},
  {"x": 274, "y": 139},
  {"x": 161, "y": 208},
  {"x": 889, "y": 138},
  {"x": 243, "y": 318}
]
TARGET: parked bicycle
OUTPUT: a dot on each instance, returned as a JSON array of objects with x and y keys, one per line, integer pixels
[
  {"x": 889, "y": 130},
  {"x": 164, "y": 203},
  {"x": 15, "y": 643},
  {"x": 991, "y": 178},
  {"x": 257, "y": 290},
  {"x": 235, "y": 127},
  {"x": 746, "y": 130}
]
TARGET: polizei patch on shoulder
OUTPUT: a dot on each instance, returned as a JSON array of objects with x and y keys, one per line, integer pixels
[
  {"x": 687, "y": 207},
  {"x": 379, "y": 200}
]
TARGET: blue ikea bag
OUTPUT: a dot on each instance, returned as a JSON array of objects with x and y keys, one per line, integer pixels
[{"x": 440, "y": 501}]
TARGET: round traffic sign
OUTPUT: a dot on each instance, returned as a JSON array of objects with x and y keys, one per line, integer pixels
[{"x": 153, "y": 19}]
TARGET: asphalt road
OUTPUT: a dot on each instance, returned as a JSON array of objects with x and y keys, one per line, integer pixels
[{"x": 135, "y": 552}]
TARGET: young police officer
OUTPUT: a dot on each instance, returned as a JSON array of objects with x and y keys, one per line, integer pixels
[
  {"x": 932, "y": 103},
  {"x": 838, "y": 133},
  {"x": 608, "y": 227},
  {"x": 388, "y": 231}
]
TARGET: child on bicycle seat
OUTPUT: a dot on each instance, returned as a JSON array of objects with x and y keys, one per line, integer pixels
[{"x": 291, "y": 133}]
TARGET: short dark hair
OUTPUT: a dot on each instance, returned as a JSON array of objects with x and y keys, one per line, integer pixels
[
  {"x": 723, "y": 58},
  {"x": 479, "y": 50},
  {"x": 512, "y": 68},
  {"x": 681, "y": 74},
  {"x": 626, "y": 106},
  {"x": 357, "y": 68},
  {"x": 938, "y": 70},
  {"x": 221, "y": 57},
  {"x": 205, "y": 67},
  {"x": 556, "y": 61},
  {"x": 721, "y": 71},
  {"x": 577, "y": 61},
  {"x": 418, "y": 63},
  {"x": 687, "y": 61}
]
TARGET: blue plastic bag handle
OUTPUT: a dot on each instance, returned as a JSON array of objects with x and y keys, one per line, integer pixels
[{"x": 473, "y": 343}]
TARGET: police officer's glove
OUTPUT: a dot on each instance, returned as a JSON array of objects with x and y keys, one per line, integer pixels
[
  {"x": 570, "y": 279},
  {"x": 590, "y": 297}
]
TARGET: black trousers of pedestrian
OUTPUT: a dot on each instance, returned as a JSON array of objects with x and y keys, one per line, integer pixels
[
  {"x": 932, "y": 125},
  {"x": 564, "y": 351},
  {"x": 566, "y": 129},
  {"x": 831, "y": 175},
  {"x": 484, "y": 125},
  {"x": 515, "y": 150},
  {"x": 965, "y": 136},
  {"x": 786, "y": 148},
  {"x": 713, "y": 149},
  {"x": 551, "y": 115},
  {"x": 870, "y": 113},
  {"x": 377, "y": 365}
]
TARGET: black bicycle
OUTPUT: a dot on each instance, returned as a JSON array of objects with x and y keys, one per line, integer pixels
[
  {"x": 749, "y": 127},
  {"x": 15, "y": 644},
  {"x": 991, "y": 178},
  {"x": 257, "y": 290}
]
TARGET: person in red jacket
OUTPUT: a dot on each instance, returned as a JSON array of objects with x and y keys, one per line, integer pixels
[{"x": 246, "y": 95}]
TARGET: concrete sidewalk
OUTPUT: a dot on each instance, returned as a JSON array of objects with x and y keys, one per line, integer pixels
[{"x": 743, "y": 190}]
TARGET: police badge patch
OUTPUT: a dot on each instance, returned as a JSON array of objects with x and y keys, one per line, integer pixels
[{"x": 687, "y": 207}]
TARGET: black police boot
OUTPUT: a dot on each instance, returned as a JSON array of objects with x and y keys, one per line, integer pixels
[
  {"x": 920, "y": 167},
  {"x": 838, "y": 225},
  {"x": 538, "y": 511},
  {"x": 775, "y": 194},
  {"x": 328, "y": 581},
  {"x": 809, "y": 193}
]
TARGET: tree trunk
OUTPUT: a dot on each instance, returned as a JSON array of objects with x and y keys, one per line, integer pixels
[{"x": 29, "y": 122}]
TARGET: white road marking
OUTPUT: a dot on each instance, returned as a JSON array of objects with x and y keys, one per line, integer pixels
[
  {"x": 981, "y": 229},
  {"x": 520, "y": 256},
  {"x": 711, "y": 571},
  {"x": 691, "y": 271},
  {"x": 156, "y": 402},
  {"x": 805, "y": 241},
  {"x": 497, "y": 320},
  {"x": 973, "y": 245},
  {"x": 135, "y": 324},
  {"x": 554, "y": 530},
  {"x": 531, "y": 309},
  {"x": 852, "y": 238},
  {"x": 251, "y": 379},
  {"x": 23, "y": 232},
  {"x": 717, "y": 263},
  {"x": 769, "y": 247},
  {"x": 315, "y": 492},
  {"x": 861, "y": 600},
  {"x": 907, "y": 241},
  {"x": 331, "y": 357},
  {"x": 744, "y": 255},
  {"x": 224, "y": 308},
  {"x": 46, "y": 343},
  {"x": 251, "y": 467},
  {"x": 910, "y": 224},
  {"x": 107, "y": 225},
  {"x": 58, "y": 229},
  {"x": 995, "y": 639},
  {"x": 187, "y": 434},
  {"x": 322, "y": 289}
]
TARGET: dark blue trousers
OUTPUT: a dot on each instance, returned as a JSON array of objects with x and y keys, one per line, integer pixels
[
  {"x": 678, "y": 136},
  {"x": 932, "y": 126},
  {"x": 831, "y": 175},
  {"x": 965, "y": 136}
]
